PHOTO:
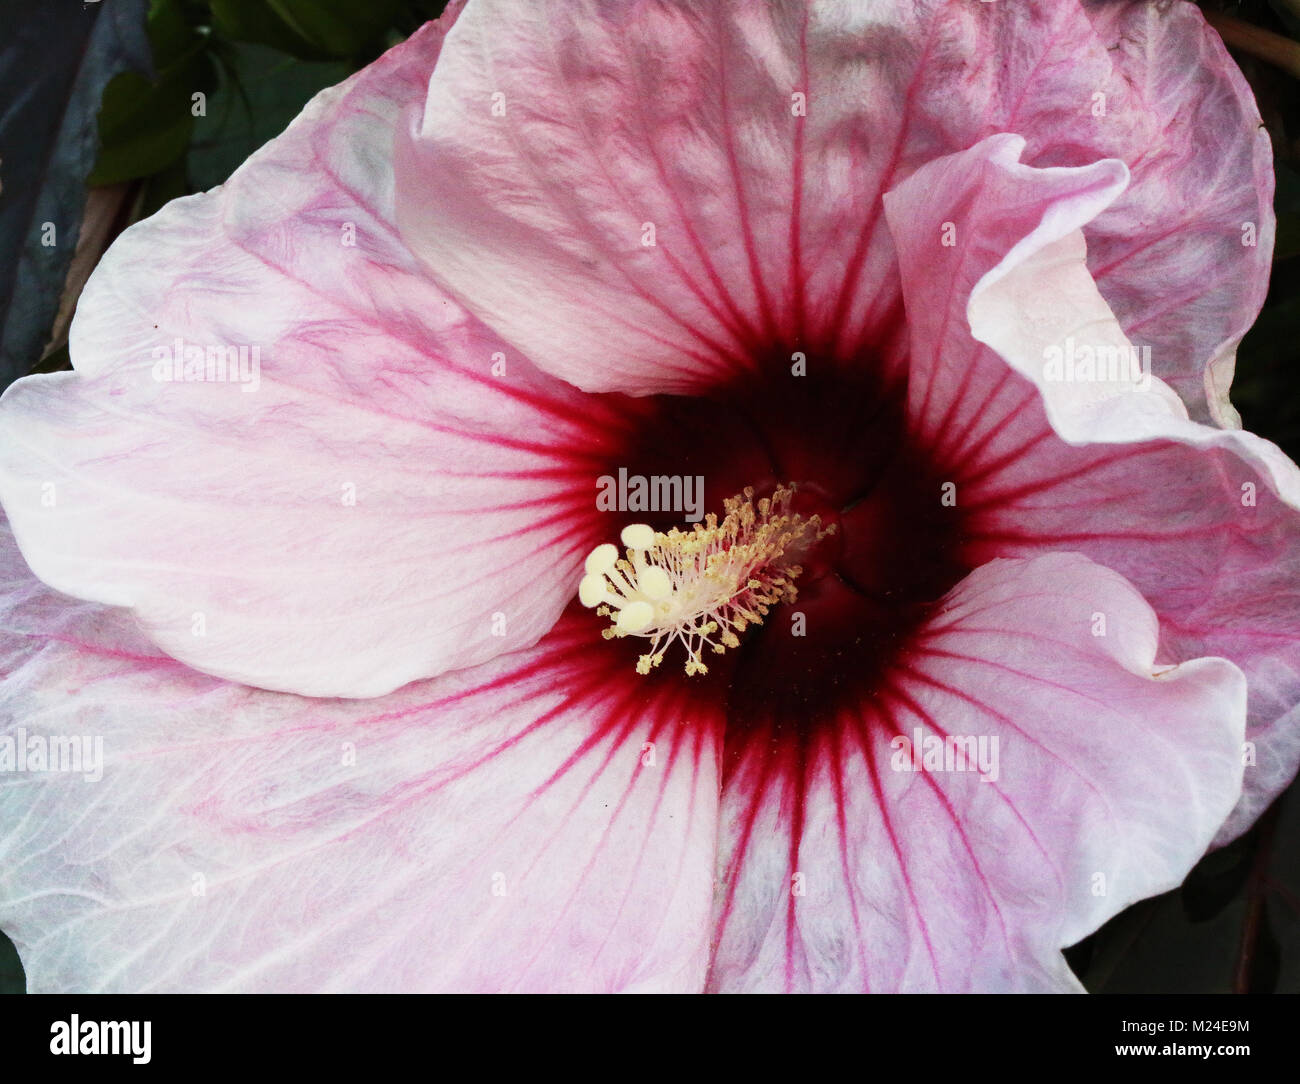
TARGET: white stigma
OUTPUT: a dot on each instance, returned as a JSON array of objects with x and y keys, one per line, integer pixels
[{"x": 705, "y": 586}]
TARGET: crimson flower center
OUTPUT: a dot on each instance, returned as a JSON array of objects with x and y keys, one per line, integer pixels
[{"x": 839, "y": 434}]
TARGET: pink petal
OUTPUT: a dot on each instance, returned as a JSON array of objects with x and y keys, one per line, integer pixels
[
  {"x": 555, "y": 133},
  {"x": 1183, "y": 257},
  {"x": 1203, "y": 521},
  {"x": 1113, "y": 775},
  {"x": 385, "y": 504},
  {"x": 255, "y": 841}
]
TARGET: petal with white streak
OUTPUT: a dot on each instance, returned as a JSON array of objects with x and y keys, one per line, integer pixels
[
  {"x": 387, "y": 490},
  {"x": 503, "y": 828},
  {"x": 1102, "y": 778}
]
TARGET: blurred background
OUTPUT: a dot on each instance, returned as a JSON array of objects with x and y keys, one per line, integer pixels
[{"x": 110, "y": 109}]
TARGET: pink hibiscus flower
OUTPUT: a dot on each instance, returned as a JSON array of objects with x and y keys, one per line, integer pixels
[{"x": 346, "y": 436}]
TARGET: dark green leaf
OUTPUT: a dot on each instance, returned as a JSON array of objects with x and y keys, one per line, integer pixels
[
  {"x": 309, "y": 29},
  {"x": 260, "y": 92},
  {"x": 253, "y": 21},
  {"x": 48, "y": 139},
  {"x": 1283, "y": 888},
  {"x": 1286, "y": 202},
  {"x": 1217, "y": 879},
  {"x": 1262, "y": 967},
  {"x": 145, "y": 125},
  {"x": 12, "y": 979},
  {"x": 1154, "y": 948}
]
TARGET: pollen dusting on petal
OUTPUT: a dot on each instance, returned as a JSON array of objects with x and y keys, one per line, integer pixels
[{"x": 704, "y": 586}]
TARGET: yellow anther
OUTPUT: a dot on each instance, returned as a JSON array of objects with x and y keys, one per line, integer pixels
[{"x": 701, "y": 586}]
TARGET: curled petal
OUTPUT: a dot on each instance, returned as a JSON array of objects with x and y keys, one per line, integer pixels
[
  {"x": 1095, "y": 777},
  {"x": 1049, "y": 451}
]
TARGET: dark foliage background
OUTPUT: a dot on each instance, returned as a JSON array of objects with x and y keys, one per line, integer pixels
[{"x": 97, "y": 130}]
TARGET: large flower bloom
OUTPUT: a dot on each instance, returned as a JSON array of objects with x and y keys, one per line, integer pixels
[{"x": 358, "y": 732}]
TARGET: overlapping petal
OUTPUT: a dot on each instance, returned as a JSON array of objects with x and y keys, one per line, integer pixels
[
  {"x": 522, "y": 825},
  {"x": 1183, "y": 256},
  {"x": 1205, "y": 522},
  {"x": 371, "y": 499},
  {"x": 698, "y": 182},
  {"x": 1096, "y": 778}
]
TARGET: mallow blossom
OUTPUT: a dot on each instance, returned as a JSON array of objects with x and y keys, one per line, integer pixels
[{"x": 983, "y": 636}]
